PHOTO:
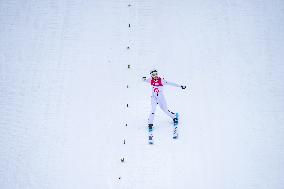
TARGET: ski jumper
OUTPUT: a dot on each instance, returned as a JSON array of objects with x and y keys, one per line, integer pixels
[{"x": 158, "y": 97}]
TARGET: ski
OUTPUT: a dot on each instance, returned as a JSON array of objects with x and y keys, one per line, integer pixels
[
  {"x": 151, "y": 141},
  {"x": 150, "y": 132},
  {"x": 175, "y": 127}
]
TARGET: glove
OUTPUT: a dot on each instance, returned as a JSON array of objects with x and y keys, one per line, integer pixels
[{"x": 183, "y": 86}]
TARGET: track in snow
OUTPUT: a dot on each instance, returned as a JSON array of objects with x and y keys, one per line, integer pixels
[{"x": 64, "y": 75}]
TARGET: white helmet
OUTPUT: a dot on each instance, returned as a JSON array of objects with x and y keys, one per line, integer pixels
[{"x": 153, "y": 72}]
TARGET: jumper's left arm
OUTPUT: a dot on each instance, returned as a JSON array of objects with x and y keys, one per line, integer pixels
[{"x": 165, "y": 82}]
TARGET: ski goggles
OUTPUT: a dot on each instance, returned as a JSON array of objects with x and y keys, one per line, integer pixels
[{"x": 154, "y": 74}]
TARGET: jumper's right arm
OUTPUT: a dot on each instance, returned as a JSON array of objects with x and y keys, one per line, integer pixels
[{"x": 146, "y": 80}]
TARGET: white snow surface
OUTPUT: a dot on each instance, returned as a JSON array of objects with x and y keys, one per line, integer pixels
[{"x": 63, "y": 94}]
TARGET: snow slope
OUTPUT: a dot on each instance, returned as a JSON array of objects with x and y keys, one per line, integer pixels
[{"x": 63, "y": 94}]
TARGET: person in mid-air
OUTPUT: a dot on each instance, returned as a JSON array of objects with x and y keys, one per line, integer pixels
[{"x": 158, "y": 97}]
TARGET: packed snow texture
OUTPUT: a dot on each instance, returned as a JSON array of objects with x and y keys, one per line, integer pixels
[{"x": 65, "y": 85}]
